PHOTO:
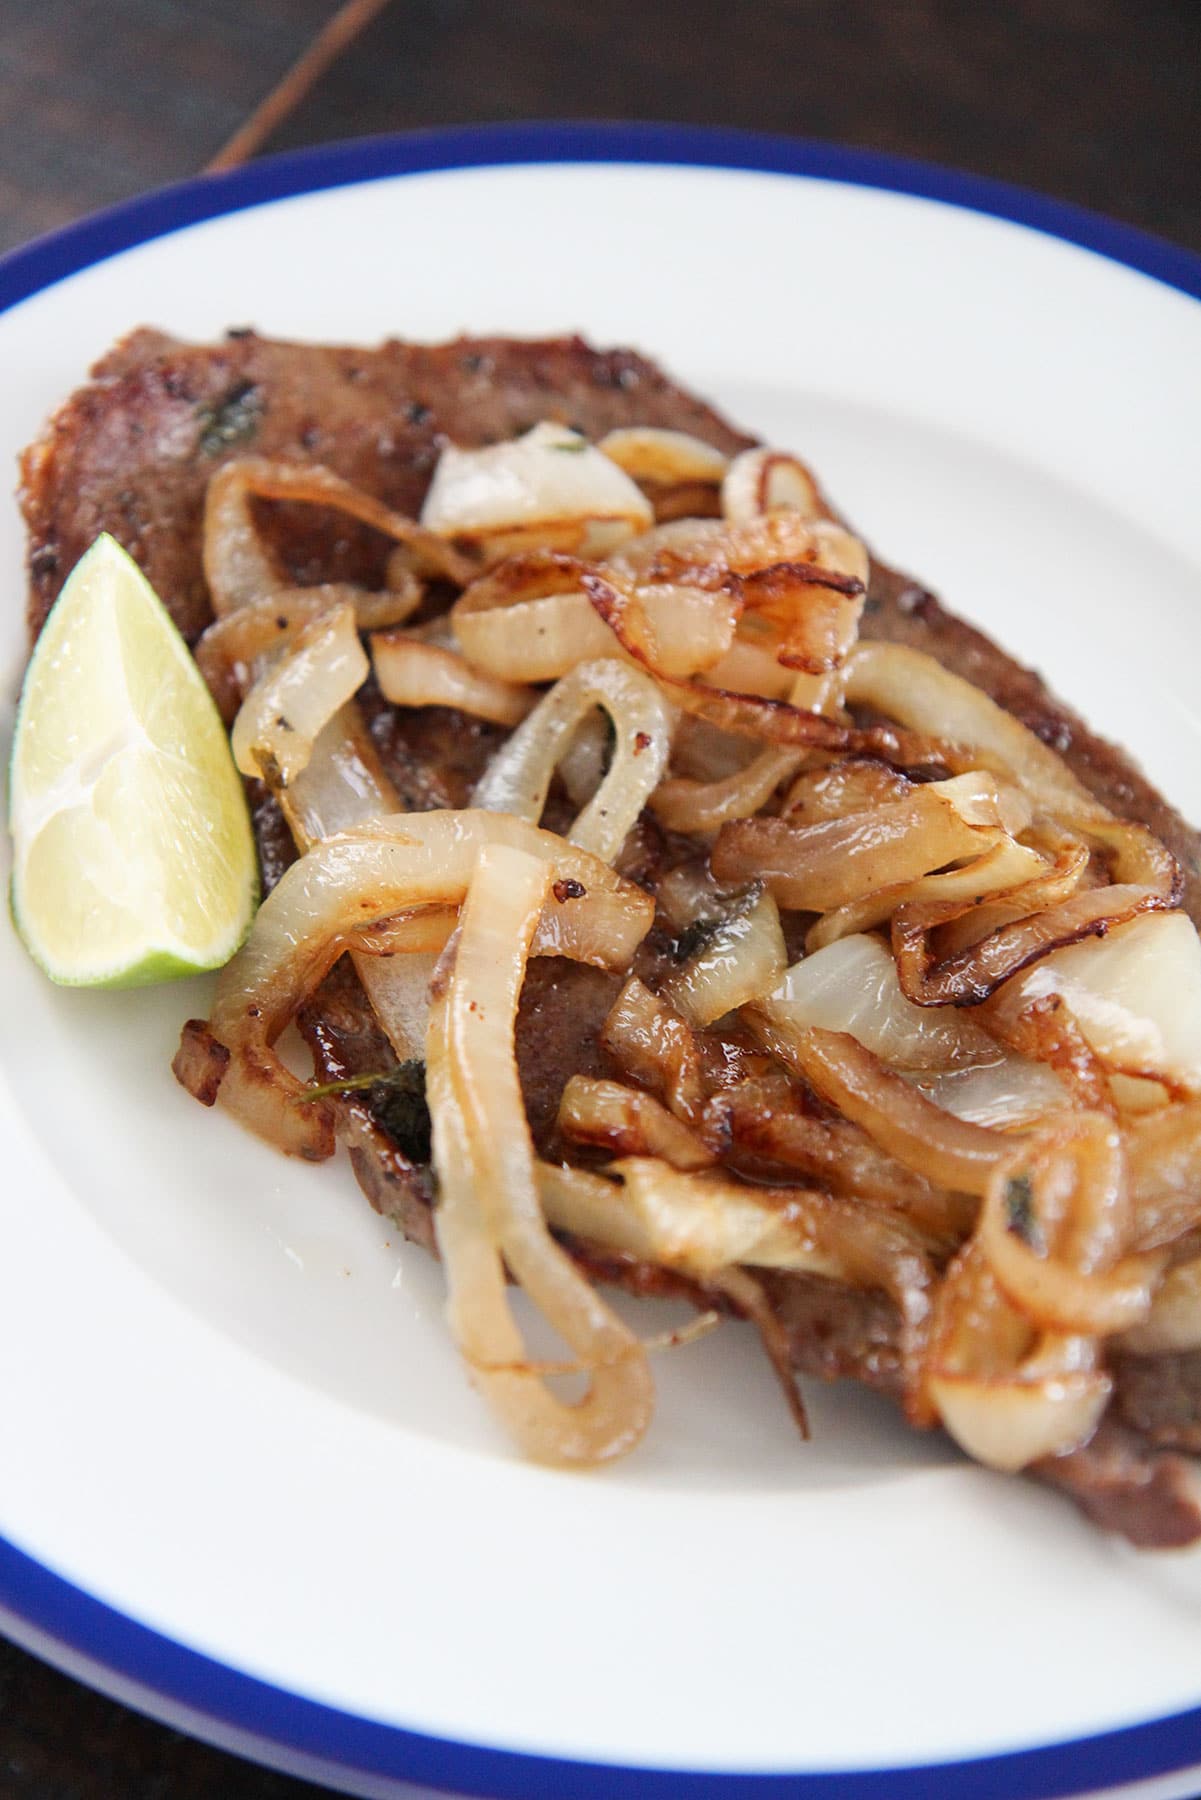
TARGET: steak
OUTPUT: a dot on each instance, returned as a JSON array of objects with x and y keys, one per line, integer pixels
[{"x": 132, "y": 453}]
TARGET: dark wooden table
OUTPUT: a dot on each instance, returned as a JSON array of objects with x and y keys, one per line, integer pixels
[{"x": 1095, "y": 101}]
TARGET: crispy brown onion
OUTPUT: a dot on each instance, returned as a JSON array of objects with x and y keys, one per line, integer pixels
[
  {"x": 753, "y": 715},
  {"x": 815, "y": 868},
  {"x": 764, "y": 1119},
  {"x": 971, "y": 975},
  {"x": 919, "y": 1134},
  {"x": 628, "y": 1122}
]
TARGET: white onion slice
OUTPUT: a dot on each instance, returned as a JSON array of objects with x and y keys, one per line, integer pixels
[
  {"x": 763, "y": 481},
  {"x": 1135, "y": 994},
  {"x": 663, "y": 458},
  {"x": 852, "y": 986},
  {"x": 743, "y": 959},
  {"x": 543, "y": 637},
  {"x": 915, "y": 690},
  {"x": 324, "y": 666},
  {"x": 489, "y": 1214},
  {"x": 1014, "y": 1090},
  {"x": 1009, "y": 1424},
  {"x": 550, "y": 487},
  {"x": 517, "y": 778},
  {"x": 413, "y": 673}
]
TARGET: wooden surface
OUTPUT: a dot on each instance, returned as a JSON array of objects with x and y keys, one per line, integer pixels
[{"x": 1095, "y": 101}]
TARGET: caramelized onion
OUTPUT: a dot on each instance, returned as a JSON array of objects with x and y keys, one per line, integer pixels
[
  {"x": 742, "y": 958},
  {"x": 649, "y": 1040},
  {"x": 518, "y": 777},
  {"x": 628, "y": 1122},
  {"x": 855, "y": 784},
  {"x": 1002, "y": 868},
  {"x": 915, "y": 689},
  {"x": 704, "y": 806},
  {"x": 900, "y": 1119},
  {"x": 765, "y": 1118},
  {"x": 1006, "y": 1394},
  {"x": 705, "y": 1222},
  {"x": 489, "y": 1214},
  {"x": 1135, "y": 995},
  {"x": 1164, "y": 1149},
  {"x": 292, "y": 703},
  {"x": 227, "y": 653},
  {"x": 750, "y": 668},
  {"x": 411, "y": 673},
  {"x": 969, "y": 976},
  {"x": 663, "y": 458},
  {"x": 529, "y": 620},
  {"x": 750, "y": 715},
  {"x": 548, "y": 487},
  {"x": 331, "y": 900},
  {"x": 764, "y": 481},
  {"x": 1054, "y": 1222},
  {"x": 816, "y": 868},
  {"x": 852, "y": 986}
]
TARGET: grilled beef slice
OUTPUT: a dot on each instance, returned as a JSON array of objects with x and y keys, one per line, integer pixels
[{"x": 132, "y": 453}]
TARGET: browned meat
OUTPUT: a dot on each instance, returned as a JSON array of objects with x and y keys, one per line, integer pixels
[
  {"x": 433, "y": 755},
  {"x": 1160, "y": 1397},
  {"x": 378, "y": 1124},
  {"x": 1150, "y": 1497},
  {"x": 837, "y": 1333},
  {"x": 563, "y": 1006},
  {"x": 132, "y": 453}
]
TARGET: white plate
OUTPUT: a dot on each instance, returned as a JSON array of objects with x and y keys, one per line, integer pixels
[{"x": 244, "y": 1482}]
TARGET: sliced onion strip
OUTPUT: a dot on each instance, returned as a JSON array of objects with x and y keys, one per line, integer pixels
[
  {"x": 627, "y": 1122},
  {"x": 288, "y": 706},
  {"x": 663, "y": 458},
  {"x": 704, "y": 806},
  {"x": 411, "y": 673},
  {"x": 915, "y": 689},
  {"x": 518, "y": 777},
  {"x": 332, "y": 900},
  {"x": 1008, "y": 1396},
  {"x": 743, "y": 958},
  {"x": 548, "y": 487},
  {"x": 901, "y": 1120},
  {"x": 1003, "y": 867},
  {"x": 489, "y": 1206},
  {"x": 1054, "y": 1221},
  {"x": 816, "y": 868},
  {"x": 227, "y": 653},
  {"x": 764, "y": 481}
]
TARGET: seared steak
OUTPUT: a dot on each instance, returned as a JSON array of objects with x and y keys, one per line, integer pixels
[{"x": 132, "y": 453}]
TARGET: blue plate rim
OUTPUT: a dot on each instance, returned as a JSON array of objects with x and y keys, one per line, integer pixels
[{"x": 65, "y": 1623}]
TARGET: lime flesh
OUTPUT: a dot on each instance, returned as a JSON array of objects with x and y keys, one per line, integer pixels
[{"x": 133, "y": 855}]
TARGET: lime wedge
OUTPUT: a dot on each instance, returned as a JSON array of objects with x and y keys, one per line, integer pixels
[{"x": 133, "y": 854}]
